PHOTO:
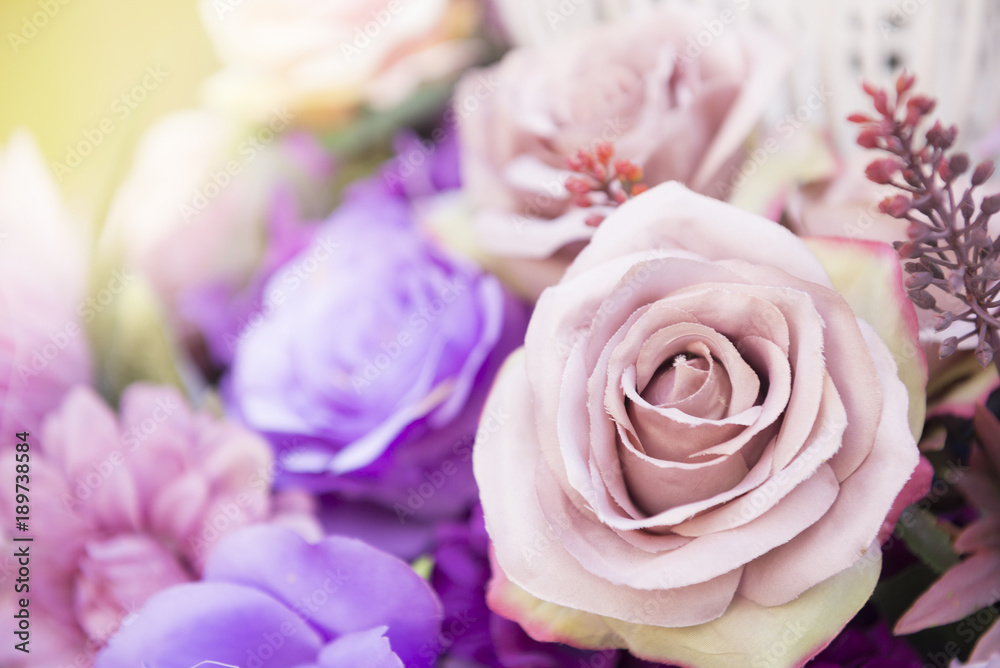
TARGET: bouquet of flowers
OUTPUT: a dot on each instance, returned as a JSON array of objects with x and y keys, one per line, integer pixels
[{"x": 456, "y": 333}]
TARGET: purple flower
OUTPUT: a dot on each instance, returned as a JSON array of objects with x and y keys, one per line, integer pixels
[
  {"x": 867, "y": 642},
  {"x": 424, "y": 167},
  {"x": 371, "y": 370},
  {"x": 271, "y": 600},
  {"x": 471, "y": 634}
]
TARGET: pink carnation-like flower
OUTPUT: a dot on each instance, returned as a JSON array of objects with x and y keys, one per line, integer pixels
[
  {"x": 711, "y": 429},
  {"x": 43, "y": 346},
  {"x": 123, "y": 507}
]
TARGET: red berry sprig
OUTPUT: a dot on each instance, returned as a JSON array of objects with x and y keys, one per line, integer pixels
[
  {"x": 601, "y": 181},
  {"x": 949, "y": 245}
]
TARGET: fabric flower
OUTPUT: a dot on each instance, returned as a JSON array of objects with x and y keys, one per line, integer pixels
[
  {"x": 325, "y": 59},
  {"x": 123, "y": 507},
  {"x": 370, "y": 374},
  {"x": 478, "y": 636},
  {"x": 269, "y": 599},
  {"x": 630, "y": 83},
  {"x": 974, "y": 582},
  {"x": 708, "y": 427},
  {"x": 241, "y": 191},
  {"x": 43, "y": 271}
]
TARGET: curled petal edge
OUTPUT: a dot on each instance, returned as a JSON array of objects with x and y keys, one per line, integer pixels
[
  {"x": 747, "y": 635},
  {"x": 854, "y": 266}
]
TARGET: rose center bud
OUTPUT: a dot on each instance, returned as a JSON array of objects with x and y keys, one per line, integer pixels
[{"x": 694, "y": 383}]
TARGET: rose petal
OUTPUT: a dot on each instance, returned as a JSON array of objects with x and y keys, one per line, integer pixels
[
  {"x": 746, "y": 636},
  {"x": 722, "y": 232},
  {"x": 856, "y": 265},
  {"x": 714, "y": 556},
  {"x": 843, "y": 535},
  {"x": 529, "y": 549}
]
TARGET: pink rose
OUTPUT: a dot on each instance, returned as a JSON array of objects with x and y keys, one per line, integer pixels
[
  {"x": 708, "y": 426},
  {"x": 324, "y": 59},
  {"x": 241, "y": 191},
  {"x": 123, "y": 507},
  {"x": 680, "y": 113},
  {"x": 43, "y": 274}
]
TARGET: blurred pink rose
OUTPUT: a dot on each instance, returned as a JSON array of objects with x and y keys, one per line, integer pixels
[
  {"x": 844, "y": 206},
  {"x": 208, "y": 205},
  {"x": 43, "y": 274},
  {"x": 324, "y": 59},
  {"x": 122, "y": 507},
  {"x": 680, "y": 112},
  {"x": 708, "y": 427}
]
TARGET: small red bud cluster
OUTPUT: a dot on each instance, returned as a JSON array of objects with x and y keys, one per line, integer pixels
[
  {"x": 599, "y": 180},
  {"x": 949, "y": 245}
]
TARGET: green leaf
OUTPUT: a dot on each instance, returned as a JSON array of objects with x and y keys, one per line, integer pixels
[{"x": 925, "y": 538}]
